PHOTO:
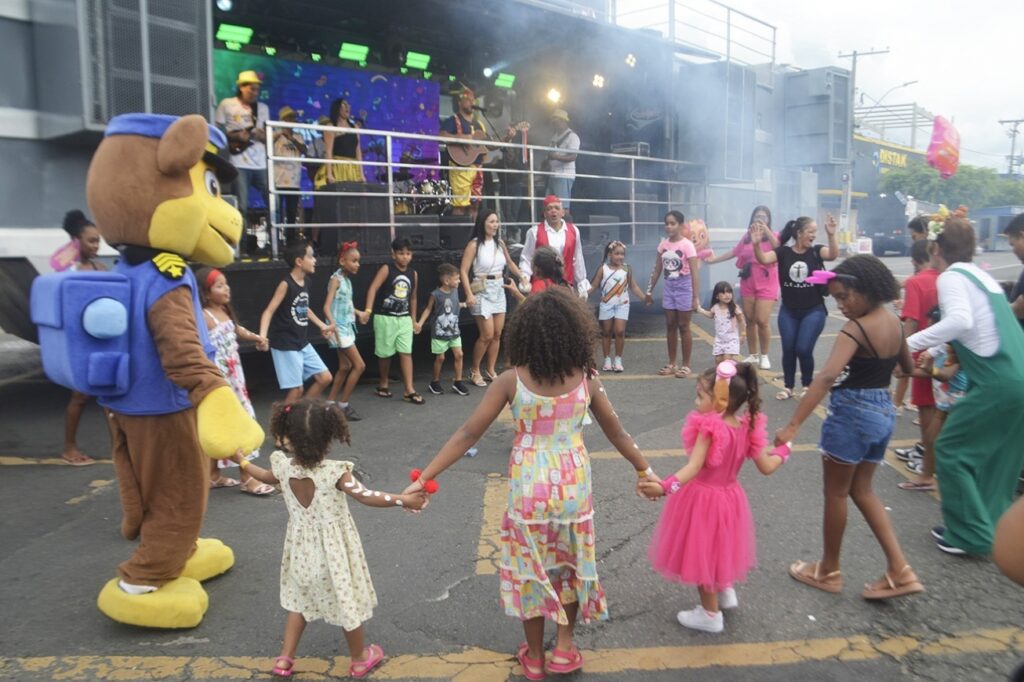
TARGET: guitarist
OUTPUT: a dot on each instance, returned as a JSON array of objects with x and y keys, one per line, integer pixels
[
  {"x": 562, "y": 164},
  {"x": 243, "y": 118},
  {"x": 467, "y": 181}
]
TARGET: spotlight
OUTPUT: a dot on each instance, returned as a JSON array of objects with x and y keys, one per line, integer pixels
[
  {"x": 598, "y": 81},
  {"x": 488, "y": 71},
  {"x": 271, "y": 51},
  {"x": 554, "y": 95},
  {"x": 225, "y": 5},
  {"x": 631, "y": 60}
]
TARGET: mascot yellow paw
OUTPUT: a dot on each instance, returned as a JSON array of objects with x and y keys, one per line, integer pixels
[
  {"x": 211, "y": 558},
  {"x": 224, "y": 425},
  {"x": 180, "y": 603}
]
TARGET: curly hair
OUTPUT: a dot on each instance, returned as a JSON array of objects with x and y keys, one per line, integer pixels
[
  {"x": 743, "y": 388},
  {"x": 869, "y": 277},
  {"x": 552, "y": 334},
  {"x": 310, "y": 426}
]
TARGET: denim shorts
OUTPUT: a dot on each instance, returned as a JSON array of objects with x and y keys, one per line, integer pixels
[{"x": 859, "y": 424}]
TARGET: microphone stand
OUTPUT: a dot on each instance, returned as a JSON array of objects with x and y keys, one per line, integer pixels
[{"x": 495, "y": 177}]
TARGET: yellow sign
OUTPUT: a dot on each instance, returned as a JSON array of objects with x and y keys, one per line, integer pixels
[{"x": 887, "y": 157}]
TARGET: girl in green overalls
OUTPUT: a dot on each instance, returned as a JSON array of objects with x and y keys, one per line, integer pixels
[{"x": 979, "y": 452}]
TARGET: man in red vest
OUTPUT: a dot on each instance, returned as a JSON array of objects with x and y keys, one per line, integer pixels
[{"x": 564, "y": 238}]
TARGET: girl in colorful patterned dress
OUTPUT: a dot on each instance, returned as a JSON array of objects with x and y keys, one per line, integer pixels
[
  {"x": 548, "y": 561},
  {"x": 224, "y": 330},
  {"x": 729, "y": 323},
  {"x": 706, "y": 533},
  {"x": 340, "y": 313}
]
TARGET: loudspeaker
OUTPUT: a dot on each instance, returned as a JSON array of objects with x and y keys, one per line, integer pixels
[
  {"x": 372, "y": 241},
  {"x": 455, "y": 231},
  {"x": 422, "y": 230}
]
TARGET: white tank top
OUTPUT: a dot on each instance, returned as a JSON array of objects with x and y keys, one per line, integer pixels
[{"x": 489, "y": 259}]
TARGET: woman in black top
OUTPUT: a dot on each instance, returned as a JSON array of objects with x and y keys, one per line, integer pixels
[
  {"x": 802, "y": 313},
  {"x": 342, "y": 146}
]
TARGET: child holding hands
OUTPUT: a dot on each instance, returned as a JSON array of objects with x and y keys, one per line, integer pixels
[
  {"x": 442, "y": 310},
  {"x": 324, "y": 575},
  {"x": 729, "y": 323},
  {"x": 614, "y": 280},
  {"x": 705, "y": 536},
  {"x": 341, "y": 316},
  {"x": 548, "y": 561}
]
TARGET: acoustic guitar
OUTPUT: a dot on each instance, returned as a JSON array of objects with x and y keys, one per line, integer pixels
[{"x": 466, "y": 154}]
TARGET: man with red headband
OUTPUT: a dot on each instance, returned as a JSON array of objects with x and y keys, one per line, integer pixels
[{"x": 563, "y": 237}]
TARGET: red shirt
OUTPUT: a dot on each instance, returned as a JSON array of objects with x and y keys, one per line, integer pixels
[{"x": 920, "y": 296}]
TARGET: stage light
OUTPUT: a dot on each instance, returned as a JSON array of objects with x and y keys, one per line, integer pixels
[
  {"x": 353, "y": 52},
  {"x": 427, "y": 75},
  {"x": 488, "y": 72},
  {"x": 315, "y": 57},
  {"x": 451, "y": 79},
  {"x": 363, "y": 64},
  {"x": 235, "y": 34},
  {"x": 554, "y": 95},
  {"x": 271, "y": 51},
  {"x": 404, "y": 70},
  {"x": 225, "y": 5},
  {"x": 631, "y": 60},
  {"x": 505, "y": 80},
  {"x": 232, "y": 45},
  {"x": 598, "y": 81},
  {"x": 417, "y": 60}
]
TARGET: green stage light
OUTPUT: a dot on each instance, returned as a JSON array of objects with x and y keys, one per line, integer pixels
[
  {"x": 232, "y": 45},
  {"x": 271, "y": 51},
  {"x": 404, "y": 70},
  {"x": 234, "y": 34},
  {"x": 315, "y": 57},
  {"x": 417, "y": 60},
  {"x": 427, "y": 74},
  {"x": 505, "y": 80},
  {"x": 354, "y": 52},
  {"x": 451, "y": 79},
  {"x": 362, "y": 64}
]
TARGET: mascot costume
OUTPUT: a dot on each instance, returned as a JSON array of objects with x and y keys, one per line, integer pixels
[{"x": 134, "y": 338}]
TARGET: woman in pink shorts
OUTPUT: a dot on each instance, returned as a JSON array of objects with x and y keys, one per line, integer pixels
[{"x": 759, "y": 286}]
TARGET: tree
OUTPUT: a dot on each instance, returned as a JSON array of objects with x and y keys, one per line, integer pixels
[{"x": 972, "y": 186}]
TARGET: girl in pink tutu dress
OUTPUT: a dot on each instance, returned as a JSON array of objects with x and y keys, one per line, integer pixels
[{"x": 705, "y": 536}]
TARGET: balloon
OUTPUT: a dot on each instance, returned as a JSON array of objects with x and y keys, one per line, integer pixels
[{"x": 944, "y": 149}]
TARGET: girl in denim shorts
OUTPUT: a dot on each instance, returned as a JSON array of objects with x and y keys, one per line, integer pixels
[{"x": 859, "y": 423}]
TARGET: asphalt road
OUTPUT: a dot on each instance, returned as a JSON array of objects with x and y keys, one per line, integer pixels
[{"x": 439, "y": 615}]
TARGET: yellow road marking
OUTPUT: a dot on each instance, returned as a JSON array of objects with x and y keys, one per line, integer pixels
[
  {"x": 96, "y": 486},
  {"x": 30, "y": 461},
  {"x": 488, "y": 552},
  {"x": 478, "y": 665}
]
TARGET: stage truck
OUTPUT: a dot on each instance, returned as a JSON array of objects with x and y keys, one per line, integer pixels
[{"x": 665, "y": 121}]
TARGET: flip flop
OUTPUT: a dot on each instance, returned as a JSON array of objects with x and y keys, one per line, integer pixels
[
  {"x": 527, "y": 663},
  {"x": 283, "y": 672},
  {"x": 383, "y": 392},
  {"x": 83, "y": 461},
  {"x": 224, "y": 482},
  {"x": 894, "y": 589},
  {"x": 918, "y": 487},
  {"x": 259, "y": 491},
  {"x": 363, "y": 668},
  {"x": 784, "y": 394},
  {"x": 573, "y": 663},
  {"x": 667, "y": 371},
  {"x": 832, "y": 582},
  {"x": 414, "y": 398},
  {"x": 682, "y": 372}
]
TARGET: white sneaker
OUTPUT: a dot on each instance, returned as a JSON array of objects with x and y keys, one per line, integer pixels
[
  {"x": 753, "y": 358},
  {"x": 618, "y": 365},
  {"x": 727, "y": 599},
  {"x": 699, "y": 619},
  {"x": 607, "y": 366},
  {"x": 765, "y": 364}
]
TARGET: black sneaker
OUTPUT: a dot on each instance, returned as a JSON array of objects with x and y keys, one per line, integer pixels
[
  {"x": 351, "y": 414},
  {"x": 435, "y": 387},
  {"x": 905, "y": 454},
  {"x": 460, "y": 388},
  {"x": 948, "y": 548},
  {"x": 938, "y": 532}
]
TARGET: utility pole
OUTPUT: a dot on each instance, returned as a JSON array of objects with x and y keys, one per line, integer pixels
[
  {"x": 845, "y": 228},
  {"x": 1015, "y": 124}
]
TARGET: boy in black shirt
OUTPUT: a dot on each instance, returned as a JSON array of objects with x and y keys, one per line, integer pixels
[{"x": 393, "y": 292}]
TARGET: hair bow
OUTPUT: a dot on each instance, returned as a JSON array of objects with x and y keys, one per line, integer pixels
[
  {"x": 724, "y": 373},
  {"x": 820, "y": 277},
  {"x": 348, "y": 246}
]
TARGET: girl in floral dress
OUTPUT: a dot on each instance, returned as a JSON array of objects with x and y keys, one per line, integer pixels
[
  {"x": 215, "y": 295},
  {"x": 548, "y": 560}
]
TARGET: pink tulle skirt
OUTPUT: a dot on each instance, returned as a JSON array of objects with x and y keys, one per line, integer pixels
[{"x": 705, "y": 536}]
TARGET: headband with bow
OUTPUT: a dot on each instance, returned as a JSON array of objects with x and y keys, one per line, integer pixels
[
  {"x": 347, "y": 246},
  {"x": 724, "y": 373}
]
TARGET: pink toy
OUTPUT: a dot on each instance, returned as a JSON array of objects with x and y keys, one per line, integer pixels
[
  {"x": 65, "y": 257},
  {"x": 820, "y": 277},
  {"x": 944, "y": 150}
]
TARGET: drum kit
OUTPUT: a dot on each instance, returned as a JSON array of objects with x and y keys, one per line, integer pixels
[{"x": 428, "y": 196}]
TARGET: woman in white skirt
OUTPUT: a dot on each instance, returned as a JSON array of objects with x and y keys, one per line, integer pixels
[{"x": 487, "y": 256}]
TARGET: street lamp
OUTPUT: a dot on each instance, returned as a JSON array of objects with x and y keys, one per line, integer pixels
[{"x": 878, "y": 102}]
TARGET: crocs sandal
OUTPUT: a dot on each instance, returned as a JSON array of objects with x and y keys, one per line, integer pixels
[
  {"x": 224, "y": 482},
  {"x": 574, "y": 661},
  {"x": 918, "y": 487},
  {"x": 892, "y": 588},
  {"x": 530, "y": 666},
  {"x": 278, "y": 671},
  {"x": 784, "y": 394},
  {"x": 832, "y": 582},
  {"x": 375, "y": 656},
  {"x": 383, "y": 392},
  {"x": 682, "y": 372},
  {"x": 414, "y": 398},
  {"x": 667, "y": 371}
]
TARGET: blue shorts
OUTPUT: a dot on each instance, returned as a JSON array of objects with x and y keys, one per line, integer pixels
[
  {"x": 859, "y": 424},
  {"x": 294, "y": 367}
]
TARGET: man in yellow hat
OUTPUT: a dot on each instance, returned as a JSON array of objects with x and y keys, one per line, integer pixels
[
  {"x": 244, "y": 118},
  {"x": 562, "y": 164},
  {"x": 288, "y": 174},
  {"x": 467, "y": 180}
]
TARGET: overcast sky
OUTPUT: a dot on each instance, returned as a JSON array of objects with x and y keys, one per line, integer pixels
[{"x": 967, "y": 56}]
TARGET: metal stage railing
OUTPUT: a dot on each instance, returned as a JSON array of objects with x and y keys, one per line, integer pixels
[{"x": 614, "y": 194}]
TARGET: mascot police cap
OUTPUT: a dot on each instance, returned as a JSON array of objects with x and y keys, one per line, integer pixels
[{"x": 155, "y": 125}]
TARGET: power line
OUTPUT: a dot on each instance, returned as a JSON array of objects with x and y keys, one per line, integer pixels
[{"x": 1013, "y": 159}]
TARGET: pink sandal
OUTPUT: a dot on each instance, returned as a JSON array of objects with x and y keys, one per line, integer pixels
[
  {"x": 362, "y": 668},
  {"x": 574, "y": 661},
  {"x": 283, "y": 672},
  {"x": 530, "y": 665}
]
